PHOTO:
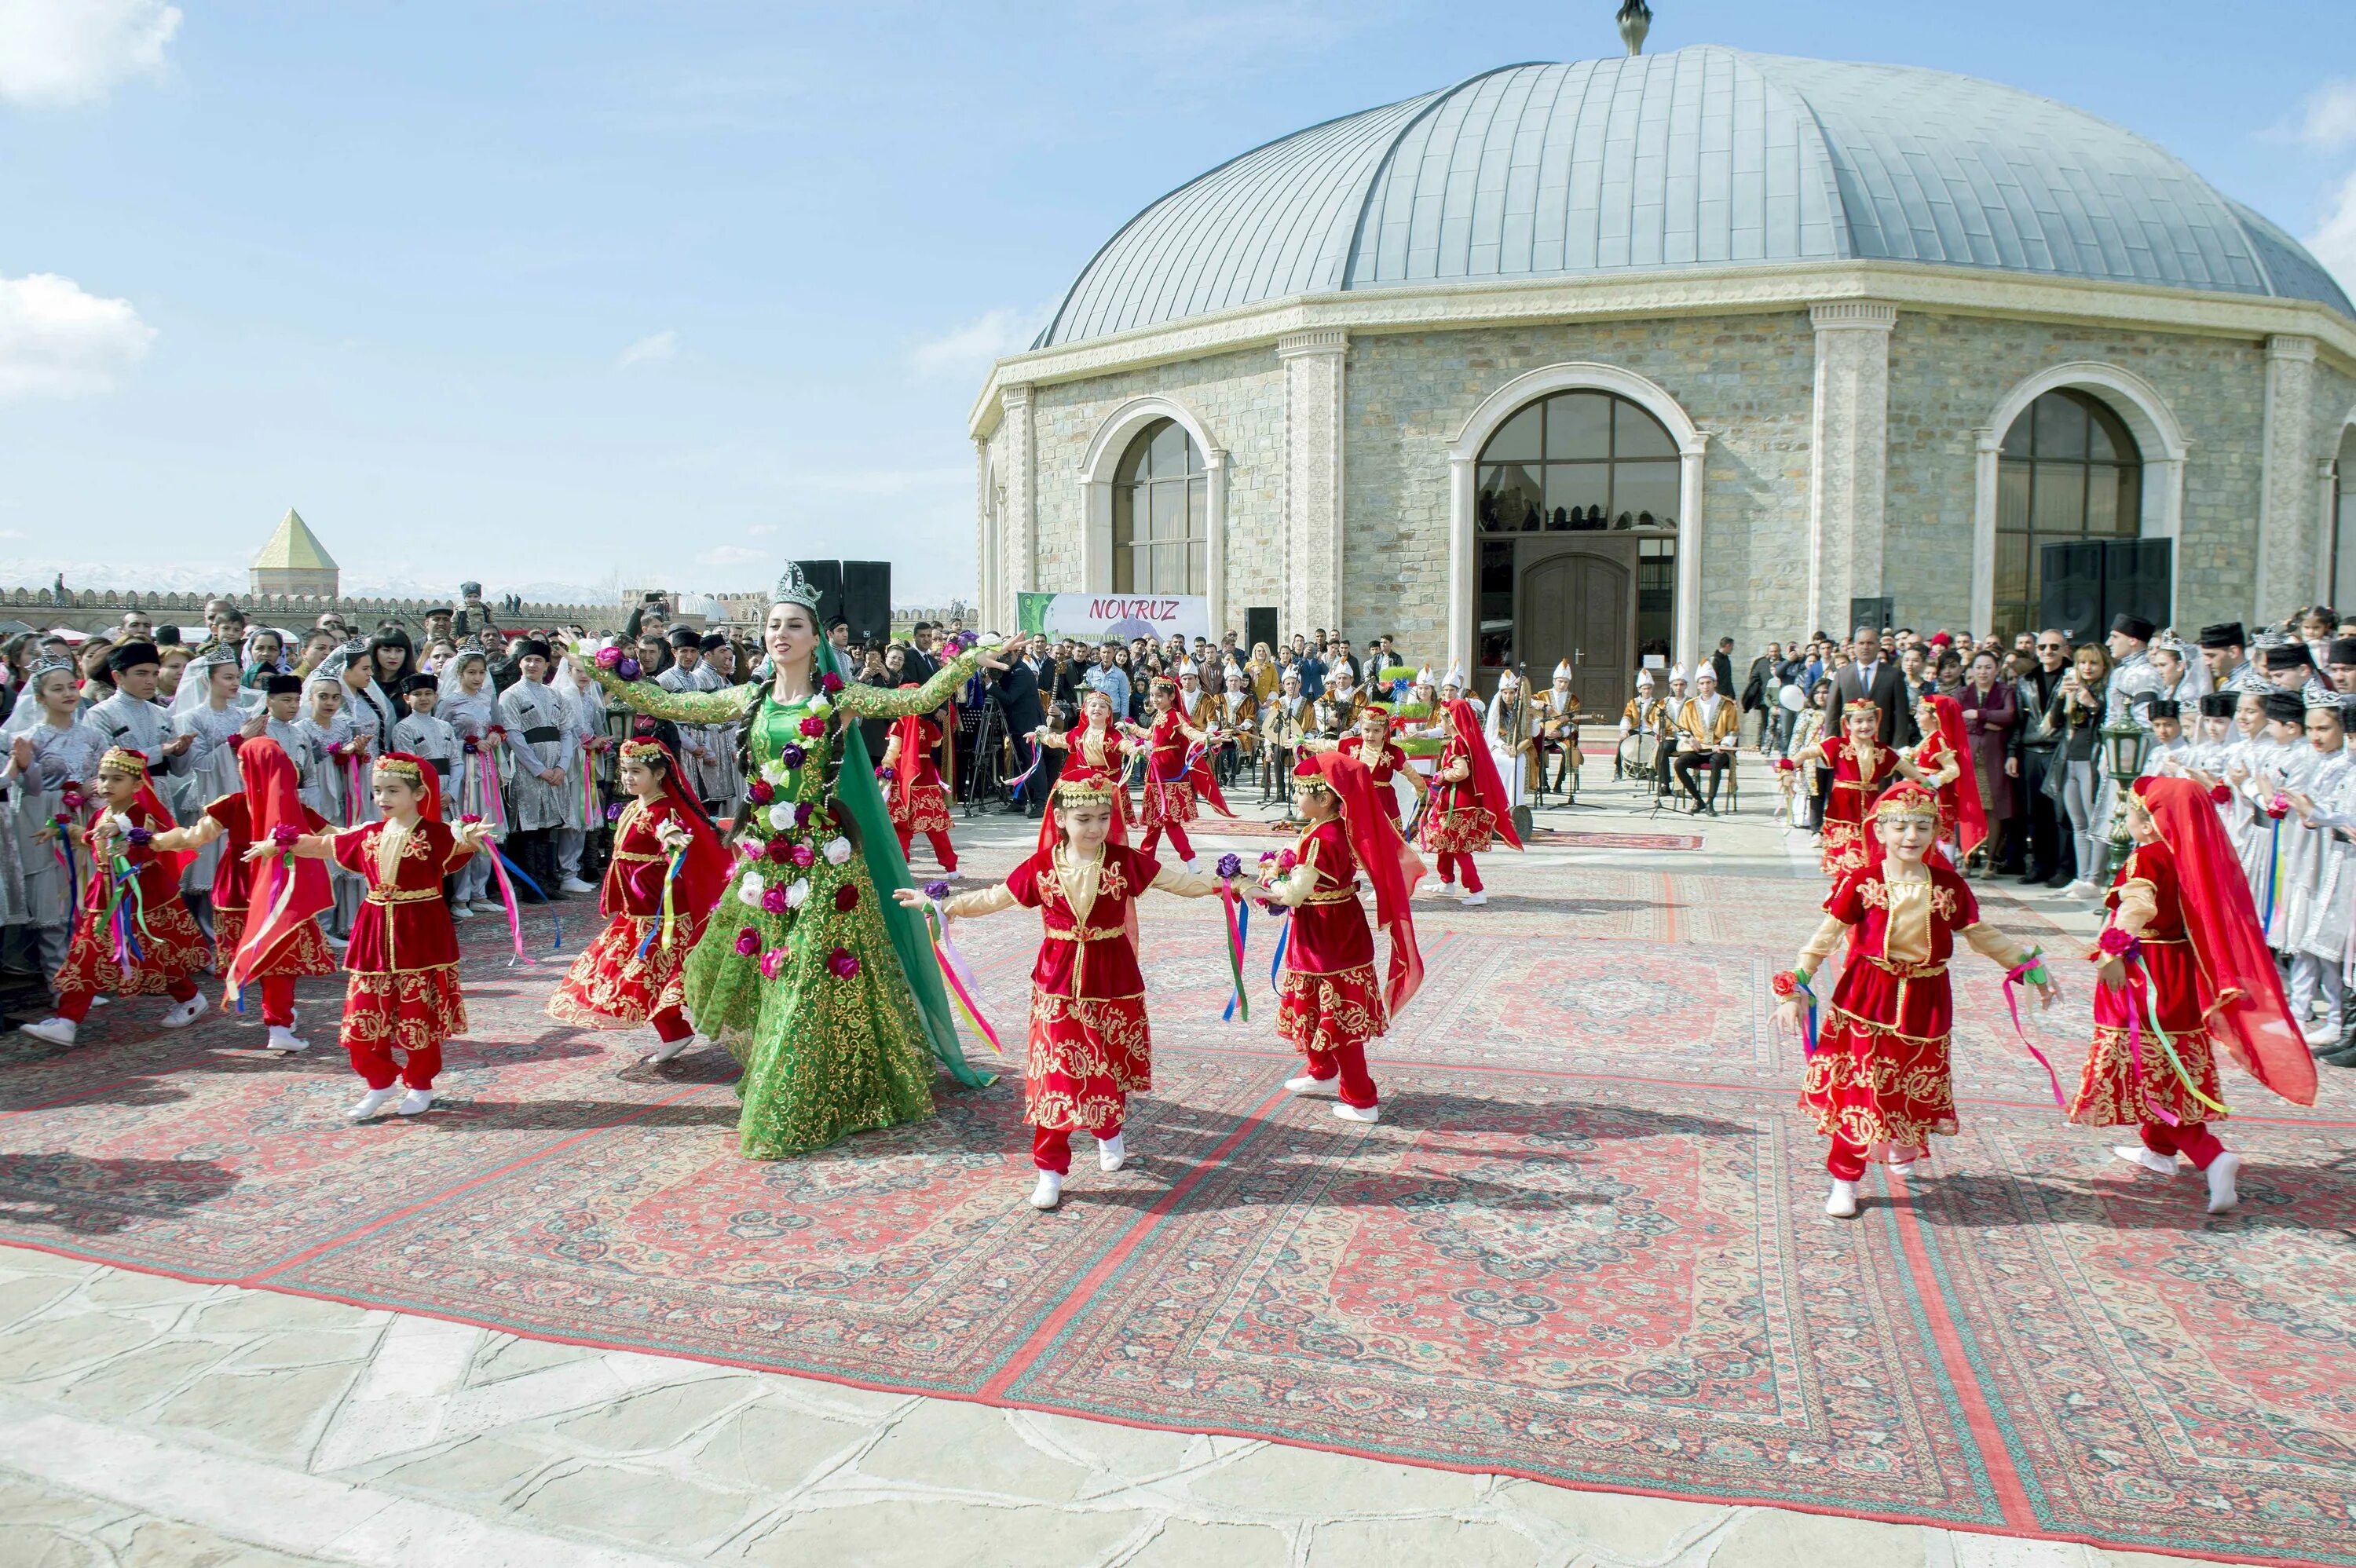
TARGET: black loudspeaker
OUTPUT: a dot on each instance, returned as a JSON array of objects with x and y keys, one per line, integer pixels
[
  {"x": 826, "y": 576},
  {"x": 2135, "y": 574},
  {"x": 1879, "y": 613},
  {"x": 1259, "y": 626},
  {"x": 2070, "y": 590},
  {"x": 2081, "y": 585},
  {"x": 867, "y": 599}
]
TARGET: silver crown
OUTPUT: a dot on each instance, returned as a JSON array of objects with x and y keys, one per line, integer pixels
[
  {"x": 44, "y": 668},
  {"x": 793, "y": 588}
]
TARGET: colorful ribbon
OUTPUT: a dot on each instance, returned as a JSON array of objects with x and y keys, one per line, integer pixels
[
  {"x": 2274, "y": 869},
  {"x": 963, "y": 986},
  {"x": 2029, "y": 968},
  {"x": 1038, "y": 754},
  {"x": 502, "y": 867},
  {"x": 2139, "y": 978},
  {"x": 1276, "y": 959},
  {"x": 1238, "y": 931},
  {"x": 353, "y": 778},
  {"x": 593, "y": 810},
  {"x": 669, "y": 915}
]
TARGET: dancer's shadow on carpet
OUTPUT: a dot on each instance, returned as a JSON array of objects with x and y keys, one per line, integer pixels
[
  {"x": 86, "y": 1197},
  {"x": 2006, "y": 1201}
]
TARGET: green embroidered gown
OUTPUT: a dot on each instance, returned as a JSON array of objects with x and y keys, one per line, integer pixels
[{"x": 837, "y": 1012}]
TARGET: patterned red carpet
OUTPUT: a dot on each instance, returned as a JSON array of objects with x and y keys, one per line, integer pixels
[{"x": 1585, "y": 1244}]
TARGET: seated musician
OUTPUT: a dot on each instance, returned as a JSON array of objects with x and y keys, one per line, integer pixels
[{"x": 1709, "y": 728}]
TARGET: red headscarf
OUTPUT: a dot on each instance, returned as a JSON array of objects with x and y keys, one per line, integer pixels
[
  {"x": 1904, "y": 798},
  {"x": 1049, "y": 838},
  {"x": 2246, "y": 1009},
  {"x": 909, "y": 730},
  {"x": 288, "y": 888},
  {"x": 703, "y": 874},
  {"x": 159, "y": 819},
  {"x": 429, "y": 810},
  {"x": 1469, "y": 742},
  {"x": 1389, "y": 863},
  {"x": 1971, "y": 812}
]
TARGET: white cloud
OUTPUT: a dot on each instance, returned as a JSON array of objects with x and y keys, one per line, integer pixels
[
  {"x": 760, "y": 530},
  {"x": 964, "y": 353},
  {"x": 54, "y": 52},
  {"x": 730, "y": 555},
  {"x": 654, "y": 345},
  {"x": 2334, "y": 239},
  {"x": 2328, "y": 119},
  {"x": 57, "y": 341}
]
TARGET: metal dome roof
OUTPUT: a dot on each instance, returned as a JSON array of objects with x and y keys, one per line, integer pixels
[{"x": 1704, "y": 157}]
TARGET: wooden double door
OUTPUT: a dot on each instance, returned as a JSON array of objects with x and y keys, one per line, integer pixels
[{"x": 1580, "y": 606}]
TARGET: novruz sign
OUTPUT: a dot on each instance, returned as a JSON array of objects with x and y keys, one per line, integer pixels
[{"x": 1095, "y": 617}]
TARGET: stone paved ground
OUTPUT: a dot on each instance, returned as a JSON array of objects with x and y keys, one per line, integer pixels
[{"x": 143, "y": 1420}]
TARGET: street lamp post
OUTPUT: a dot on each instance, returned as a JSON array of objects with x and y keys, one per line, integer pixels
[{"x": 2125, "y": 741}]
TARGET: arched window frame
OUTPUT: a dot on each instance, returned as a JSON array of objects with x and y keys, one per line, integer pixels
[
  {"x": 2055, "y": 497},
  {"x": 1139, "y": 490}
]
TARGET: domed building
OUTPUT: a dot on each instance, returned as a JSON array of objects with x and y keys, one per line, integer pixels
[{"x": 1578, "y": 360}]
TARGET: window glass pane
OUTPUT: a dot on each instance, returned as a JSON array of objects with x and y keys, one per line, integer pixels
[
  {"x": 2343, "y": 570},
  {"x": 2099, "y": 444},
  {"x": 1644, "y": 495},
  {"x": 1517, "y": 441},
  {"x": 1579, "y": 424},
  {"x": 2058, "y": 500},
  {"x": 1199, "y": 568},
  {"x": 1169, "y": 511},
  {"x": 2130, "y": 501},
  {"x": 1576, "y": 495},
  {"x": 1170, "y": 445},
  {"x": 1510, "y": 497},
  {"x": 1636, "y": 434},
  {"x": 2061, "y": 426},
  {"x": 1169, "y": 569},
  {"x": 1133, "y": 463},
  {"x": 2108, "y": 436},
  {"x": 2012, "y": 566},
  {"x": 2015, "y": 440},
  {"x": 1124, "y": 571},
  {"x": 1496, "y": 607},
  {"x": 1124, "y": 515},
  {"x": 1198, "y": 508},
  {"x": 2103, "y": 518},
  {"x": 2013, "y": 498}
]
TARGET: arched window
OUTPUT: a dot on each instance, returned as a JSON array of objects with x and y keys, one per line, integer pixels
[
  {"x": 1579, "y": 462},
  {"x": 1161, "y": 514},
  {"x": 2342, "y": 583},
  {"x": 2070, "y": 471}
]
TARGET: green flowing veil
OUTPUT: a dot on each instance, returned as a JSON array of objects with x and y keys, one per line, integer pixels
[{"x": 912, "y": 939}]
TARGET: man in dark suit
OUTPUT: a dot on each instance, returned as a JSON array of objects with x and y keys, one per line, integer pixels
[
  {"x": 1014, "y": 686},
  {"x": 1722, "y": 662},
  {"x": 1875, "y": 678}
]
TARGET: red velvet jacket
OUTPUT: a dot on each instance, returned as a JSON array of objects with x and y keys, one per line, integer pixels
[
  {"x": 403, "y": 924},
  {"x": 1095, "y": 958}
]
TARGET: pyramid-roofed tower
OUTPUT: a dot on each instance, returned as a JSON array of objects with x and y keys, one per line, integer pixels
[{"x": 295, "y": 561}]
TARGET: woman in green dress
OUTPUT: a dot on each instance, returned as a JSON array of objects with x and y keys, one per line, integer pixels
[{"x": 823, "y": 987}]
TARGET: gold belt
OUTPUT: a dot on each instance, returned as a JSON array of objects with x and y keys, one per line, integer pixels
[
  {"x": 1085, "y": 933},
  {"x": 1344, "y": 896},
  {"x": 1909, "y": 971},
  {"x": 402, "y": 895},
  {"x": 632, "y": 855}
]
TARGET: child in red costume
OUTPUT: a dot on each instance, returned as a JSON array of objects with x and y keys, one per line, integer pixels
[
  {"x": 912, "y": 787},
  {"x": 265, "y": 909},
  {"x": 1331, "y": 1004},
  {"x": 1091, "y": 1048},
  {"x": 1878, "y": 1082},
  {"x": 1862, "y": 768},
  {"x": 630, "y": 975},
  {"x": 1943, "y": 765},
  {"x": 1467, "y": 805},
  {"x": 403, "y": 989},
  {"x": 132, "y": 935},
  {"x": 2184, "y": 938},
  {"x": 1096, "y": 753},
  {"x": 1172, "y": 780},
  {"x": 1371, "y": 744}
]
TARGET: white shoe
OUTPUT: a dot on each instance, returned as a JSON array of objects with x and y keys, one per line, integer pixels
[
  {"x": 416, "y": 1103},
  {"x": 1305, "y": 1084},
  {"x": 575, "y": 886},
  {"x": 283, "y": 1037},
  {"x": 2136, "y": 1154},
  {"x": 56, "y": 1031},
  {"x": 2323, "y": 1033},
  {"x": 1358, "y": 1112},
  {"x": 665, "y": 1050},
  {"x": 339, "y": 943},
  {"x": 180, "y": 1015},
  {"x": 1111, "y": 1153},
  {"x": 462, "y": 911},
  {"x": 1049, "y": 1192},
  {"x": 1193, "y": 869},
  {"x": 1446, "y": 888},
  {"x": 1842, "y": 1204},
  {"x": 1475, "y": 901},
  {"x": 2221, "y": 1173},
  {"x": 1902, "y": 1168},
  {"x": 2080, "y": 889},
  {"x": 372, "y": 1102}
]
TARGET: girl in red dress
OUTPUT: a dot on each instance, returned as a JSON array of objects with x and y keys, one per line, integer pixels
[
  {"x": 265, "y": 909},
  {"x": 2183, "y": 939},
  {"x": 912, "y": 787},
  {"x": 1090, "y": 1048},
  {"x": 1330, "y": 1004},
  {"x": 1878, "y": 1082},
  {"x": 1862, "y": 768},
  {"x": 1371, "y": 744},
  {"x": 1466, "y": 806},
  {"x": 630, "y": 975},
  {"x": 403, "y": 994},
  {"x": 1943, "y": 765},
  {"x": 1172, "y": 782},
  {"x": 131, "y": 906},
  {"x": 1096, "y": 752}
]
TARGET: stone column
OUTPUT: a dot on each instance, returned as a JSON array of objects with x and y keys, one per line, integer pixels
[
  {"x": 986, "y": 551},
  {"x": 1849, "y": 457},
  {"x": 1313, "y": 369},
  {"x": 1687, "y": 646},
  {"x": 1018, "y": 524},
  {"x": 2287, "y": 487},
  {"x": 1215, "y": 554}
]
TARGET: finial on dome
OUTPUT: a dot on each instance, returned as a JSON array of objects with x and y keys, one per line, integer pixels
[{"x": 1636, "y": 20}]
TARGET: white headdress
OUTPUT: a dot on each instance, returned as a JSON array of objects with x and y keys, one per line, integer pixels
[
  {"x": 1455, "y": 677},
  {"x": 1508, "y": 678},
  {"x": 1562, "y": 669},
  {"x": 194, "y": 680},
  {"x": 1423, "y": 676},
  {"x": 1643, "y": 680}
]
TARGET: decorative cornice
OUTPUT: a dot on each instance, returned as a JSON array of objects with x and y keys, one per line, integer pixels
[
  {"x": 1758, "y": 289},
  {"x": 1853, "y": 315},
  {"x": 2291, "y": 347},
  {"x": 1014, "y": 395},
  {"x": 1316, "y": 340}
]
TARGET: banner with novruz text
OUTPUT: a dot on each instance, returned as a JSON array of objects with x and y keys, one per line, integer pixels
[{"x": 1098, "y": 617}]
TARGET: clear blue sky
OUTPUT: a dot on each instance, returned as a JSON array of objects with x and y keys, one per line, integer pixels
[{"x": 543, "y": 293}]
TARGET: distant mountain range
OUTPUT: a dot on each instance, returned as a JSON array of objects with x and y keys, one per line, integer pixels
[{"x": 21, "y": 572}]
